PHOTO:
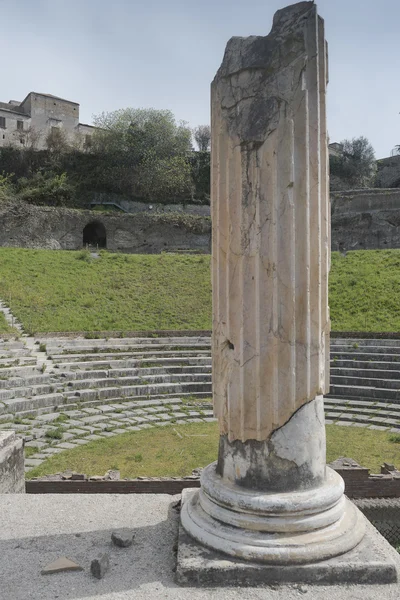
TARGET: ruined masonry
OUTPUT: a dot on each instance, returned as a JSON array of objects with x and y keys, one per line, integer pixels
[{"x": 270, "y": 497}]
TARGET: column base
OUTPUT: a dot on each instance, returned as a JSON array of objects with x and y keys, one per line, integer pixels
[
  {"x": 278, "y": 528},
  {"x": 371, "y": 561}
]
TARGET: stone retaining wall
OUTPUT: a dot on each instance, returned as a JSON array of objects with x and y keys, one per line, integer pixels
[
  {"x": 365, "y": 219},
  {"x": 361, "y": 219},
  {"x": 12, "y": 475},
  {"x": 29, "y": 226}
]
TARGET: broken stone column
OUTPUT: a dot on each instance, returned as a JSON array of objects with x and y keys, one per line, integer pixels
[{"x": 270, "y": 497}]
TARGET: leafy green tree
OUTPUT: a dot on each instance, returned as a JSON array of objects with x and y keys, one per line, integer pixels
[
  {"x": 145, "y": 152},
  {"x": 47, "y": 189},
  {"x": 356, "y": 166},
  {"x": 6, "y": 187},
  {"x": 56, "y": 141}
]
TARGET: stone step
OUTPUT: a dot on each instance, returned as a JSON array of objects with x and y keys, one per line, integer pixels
[
  {"x": 18, "y": 372},
  {"x": 355, "y": 349},
  {"x": 364, "y": 365},
  {"x": 14, "y": 353},
  {"x": 165, "y": 370},
  {"x": 122, "y": 374},
  {"x": 125, "y": 348},
  {"x": 26, "y": 391},
  {"x": 11, "y": 345},
  {"x": 145, "y": 380},
  {"x": 367, "y": 421},
  {"x": 348, "y": 391},
  {"x": 14, "y": 362},
  {"x": 28, "y": 380},
  {"x": 101, "y": 358},
  {"x": 392, "y": 384},
  {"x": 137, "y": 363},
  {"x": 17, "y": 405},
  {"x": 128, "y": 341},
  {"x": 364, "y": 356},
  {"x": 171, "y": 398},
  {"x": 144, "y": 390},
  {"x": 366, "y": 373},
  {"x": 362, "y": 342}
]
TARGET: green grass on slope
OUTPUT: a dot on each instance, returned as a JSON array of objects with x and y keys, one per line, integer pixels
[
  {"x": 365, "y": 291},
  {"x": 68, "y": 291},
  {"x": 5, "y": 327},
  {"x": 177, "y": 450}
]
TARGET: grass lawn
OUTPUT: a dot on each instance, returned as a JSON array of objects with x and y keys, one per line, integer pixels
[
  {"x": 177, "y": 450},
  {"x": 68, "y": 291},
  {"x": 364, "y": 291}
]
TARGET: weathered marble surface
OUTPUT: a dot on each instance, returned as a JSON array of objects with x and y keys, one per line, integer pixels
[
  {"x": 270, "y": 212},
  {"x": 270, "y": 498}
]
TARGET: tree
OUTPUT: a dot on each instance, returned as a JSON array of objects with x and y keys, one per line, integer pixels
[
  {"x": 202, "y": 136},
  {"x": 56, "y": 141},
  {"x": 356, "y": 166},
  {"x": 140, "y": 131},
  {"x": 145, "y": 152},
  {"x": 29, "y": 138}
]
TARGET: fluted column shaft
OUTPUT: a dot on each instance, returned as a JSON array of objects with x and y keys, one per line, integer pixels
[{"x": 270, "y": 496}]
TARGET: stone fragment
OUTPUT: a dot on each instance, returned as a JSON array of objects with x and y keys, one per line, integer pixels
[
  {"x": 112, "y": 475},
  {"x": 78, "y": 477},
  {"x": 61, "y": 565},
  {"x": 99, "y": 566},
  {"x": 123, "y": 538}
]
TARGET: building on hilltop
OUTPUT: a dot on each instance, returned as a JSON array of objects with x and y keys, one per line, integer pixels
[
  {"x": 31, "y": 121},
  {"x": 335, "y": 149}
]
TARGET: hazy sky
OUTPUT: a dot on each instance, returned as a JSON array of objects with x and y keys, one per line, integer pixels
[{"x": 109, "y": 54}]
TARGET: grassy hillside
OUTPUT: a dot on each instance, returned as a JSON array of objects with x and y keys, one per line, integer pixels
[
  {"x": 364, "y": 292},
  {"x": 70, "y": 291},
  {"x": 4, "y": 326}
]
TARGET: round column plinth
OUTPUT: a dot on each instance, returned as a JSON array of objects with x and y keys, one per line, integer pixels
[{"x": 279, "y": 528}]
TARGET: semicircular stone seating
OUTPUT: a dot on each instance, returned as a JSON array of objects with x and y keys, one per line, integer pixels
[{"x": 62, "y": 392}]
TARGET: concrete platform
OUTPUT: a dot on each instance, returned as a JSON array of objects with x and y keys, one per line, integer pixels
[{"x": 37, "y": 529}]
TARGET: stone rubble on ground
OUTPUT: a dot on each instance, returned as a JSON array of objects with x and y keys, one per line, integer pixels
[
  {"x": 123, "y": 538},
  {"x": 61, "y": 565},
  {"x": 99, "y": 566}
]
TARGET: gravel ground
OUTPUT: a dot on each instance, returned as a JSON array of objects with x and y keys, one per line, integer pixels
[{"x": 37, "y": 529}]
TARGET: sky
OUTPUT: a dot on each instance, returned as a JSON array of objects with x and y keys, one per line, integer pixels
[{"x": 111, "y": 54}]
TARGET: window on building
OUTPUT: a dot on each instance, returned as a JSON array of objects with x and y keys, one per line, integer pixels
[
  {"x": 88, "y": 140},
  {"x": 20, "y": 125},
  {"x": 3, "y": 122}
]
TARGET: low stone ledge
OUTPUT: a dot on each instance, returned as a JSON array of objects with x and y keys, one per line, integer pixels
[
  {"x": 12, "y": 474},
  {"x": 359, "y": 483}
]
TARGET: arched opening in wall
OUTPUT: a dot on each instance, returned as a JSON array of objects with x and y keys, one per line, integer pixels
[{"x": 94, "y": 234}]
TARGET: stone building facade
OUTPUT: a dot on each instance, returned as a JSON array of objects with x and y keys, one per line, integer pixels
[{"x": 29, "y": 122}]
